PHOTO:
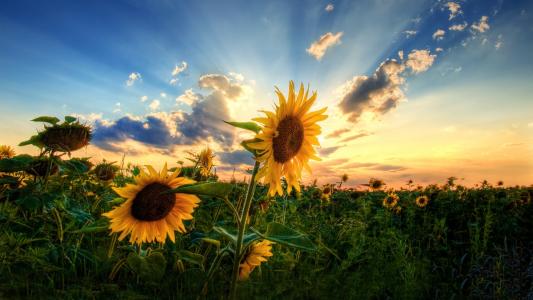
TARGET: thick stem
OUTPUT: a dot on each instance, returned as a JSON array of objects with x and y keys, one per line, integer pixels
[{"x": 242, "y": 230}]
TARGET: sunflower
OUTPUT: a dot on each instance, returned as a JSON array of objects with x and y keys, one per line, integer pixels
[
  {"x": 422, "y": 201},
  {"x": 391, "y": 200},
  {"x": 205, "y": 161},
  {"x": 287, "y": 139},
  {"x": 326, "y": 192},
  {"x": 149, "y": 214},
  {"x": 257, "y": 254},
  {"x": 6, "y": 152},
  {"x": 376, "y": 184}
]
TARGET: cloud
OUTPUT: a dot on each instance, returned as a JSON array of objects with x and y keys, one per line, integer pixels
[
  {"x": 374, "y": 166},
  {"x": 238, "y": 157},
  {"x": 178, "y": 69},
  {"x": 319, "y": 48},
  {"x": 164, "y": 131},
  {"x": 410, "y": 33},
  {"x": 330, "y": 7},
  {"x": 132, "y": 78},
  {"x": 458, "y": 27},
  {"x": 163, "y": 95},
  {"x": 222, "y": 84},
  {"x": 173, "y": 81},
  {"x": 439, "y": 49},
  {"x": 154, "y": 105},
  {"x": 420, "y": 60},
  {"x": 328, "y": 150},
  {"x": 439, "y": 34},
  {"x": 338, "y": 133},
  {"x": 454, "y": 9},
  {"x": 382, "y": 91},
  {"x": 354, "y": 137},
  {"x": 482, "y": 25},
  {"x": 189, "y": 97},
  {"x": 144, "y": 98}
]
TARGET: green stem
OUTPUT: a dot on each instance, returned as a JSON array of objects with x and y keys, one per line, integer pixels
[{"x": 242, "y": 230}]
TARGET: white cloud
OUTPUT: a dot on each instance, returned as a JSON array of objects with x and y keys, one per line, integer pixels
[
  {"x": 221, "y": 83},
  {"x": 400, "y": 54},
  {"x": 499, "y": 42},
  {"x": 163, "y": 95},
  {"x": 482, "y": 25},
  {"x": 319, "y": 48},
  {"x": 439, "y": 34},
  {"x": 420, "y": 60},
  {"x": 179, "y": 68},
  {"x": 154, "y": 105},
  {"x": 132, "y": 78},
  {"x": 439, "y": 49},
  {"x": 144, "y": 98},
  {"x": 189, "y": 98},
  {"x": 410, "y": 33},
  {"x": 173, "y": 81},
  {"x": 454, "y": 9},
  {"x": 458, "y": 27},
  {"x": 330, "y": 7}
]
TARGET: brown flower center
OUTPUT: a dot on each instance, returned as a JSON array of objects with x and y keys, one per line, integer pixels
[
  {"x": 289, "y": 140},
  {"x": 150, "y": 204}
]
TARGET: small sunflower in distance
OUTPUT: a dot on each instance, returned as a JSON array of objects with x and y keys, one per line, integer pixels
[
  {"x": 149, "y": 214},
  {"x": 205, "y": 161},
  {"x": 422, "y": 201},
  {"x": 6, "y": 152},
  {"x": 287, "y": 139},
  {"x": 391, "y": 200},
  {"x": 257, "y": 254},
  {"x": 326, "y": 192}
]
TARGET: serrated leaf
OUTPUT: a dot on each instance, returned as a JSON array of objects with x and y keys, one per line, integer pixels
[
  {"x": 70, "y": 119},
  {"x": 47, "y": 119},
  {"x": 252, "y": 126},
  {"x": 282, "y": 234},
  {"x": 15, "y": 164},
  {"x": 215, "y": 189}
]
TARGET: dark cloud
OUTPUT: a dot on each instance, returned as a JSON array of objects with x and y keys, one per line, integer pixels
[
  {"x": 337, "y": 133},
  {"x": 238, "y": 157},
  {"x": 328, "y": 150},
  {"x": 354, "y": 137},
  {"x": 374, "y": 166}
]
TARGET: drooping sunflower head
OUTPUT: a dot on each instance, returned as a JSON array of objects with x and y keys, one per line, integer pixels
[
  {"x": 390, "y": 200},
  {"x": 258, "y": 253},
  {"x": 287, "y": 138},
  {"x": 105, "y": 171},
  {"x": 150, "y": 212},
  {"x": 422, "y": 201},
  {"x": 66, "y": 137},
  {"x": 6, "y": 152}
]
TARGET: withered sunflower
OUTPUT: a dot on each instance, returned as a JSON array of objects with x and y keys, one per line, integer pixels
[
  {"x": 6, "y": 152},
  {"x": 287, "y": 139},
  {"x": 66, "y": 137},
  {"x": 258, "y": 253},
  {"x": 422, "y": 201},
  {"x": 149, "y": 214}
]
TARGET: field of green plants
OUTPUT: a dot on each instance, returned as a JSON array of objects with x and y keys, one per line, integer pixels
[{"x": 329, "y": 242}]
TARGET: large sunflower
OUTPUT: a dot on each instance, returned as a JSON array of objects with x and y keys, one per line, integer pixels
[
  {"x": 287, "y": 139},
  {"x": 148, "y": 213},
  {"x": 257, "y": 254}
]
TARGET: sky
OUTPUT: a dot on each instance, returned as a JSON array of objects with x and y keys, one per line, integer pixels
[{"x": 419, "y": 90}]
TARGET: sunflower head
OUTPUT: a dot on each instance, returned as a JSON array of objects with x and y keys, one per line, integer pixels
[
  {"x": 327, "y": 191},
  {"x": 422, "y": 201},
  {"x": 105, "y": 171},
  {"x": 287, "y": 139},
  {"x": 6, "y": 151},
  {"x": 344, "y": 177},
  {"x": 376, "y": 184},
  {"x": 390, "y": 200},
  {"x": 66, "y": 137},
  {"x": 205, "y": 161},
  {"x": 151, "y": 212},
  {"x": 257, "y": 253}
]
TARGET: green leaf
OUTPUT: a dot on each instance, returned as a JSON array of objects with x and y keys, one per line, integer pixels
[
  {"x": 15, "y": 164},
  {"x": 193, "y": 258},
  {"x": 231, "y": 234},
  {"x": 99, "y": 225},
  {"x": 6, "y": 179},
  {"x": 252, "y": 126},
  {"x": 34, "y": 140},
  {"x": 47, "y": 119},
  {"x": 215, "y": 189},
  {"x": 69, "y": 119},
  {"x": 149, "y": 268},
  {"x": 282, "y": 234}
]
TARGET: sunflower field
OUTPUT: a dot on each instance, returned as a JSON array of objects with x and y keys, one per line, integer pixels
[{"x": 71, "y": 228}]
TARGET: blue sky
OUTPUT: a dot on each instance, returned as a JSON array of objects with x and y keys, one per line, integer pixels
[{"x": 74, "y": 57}]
